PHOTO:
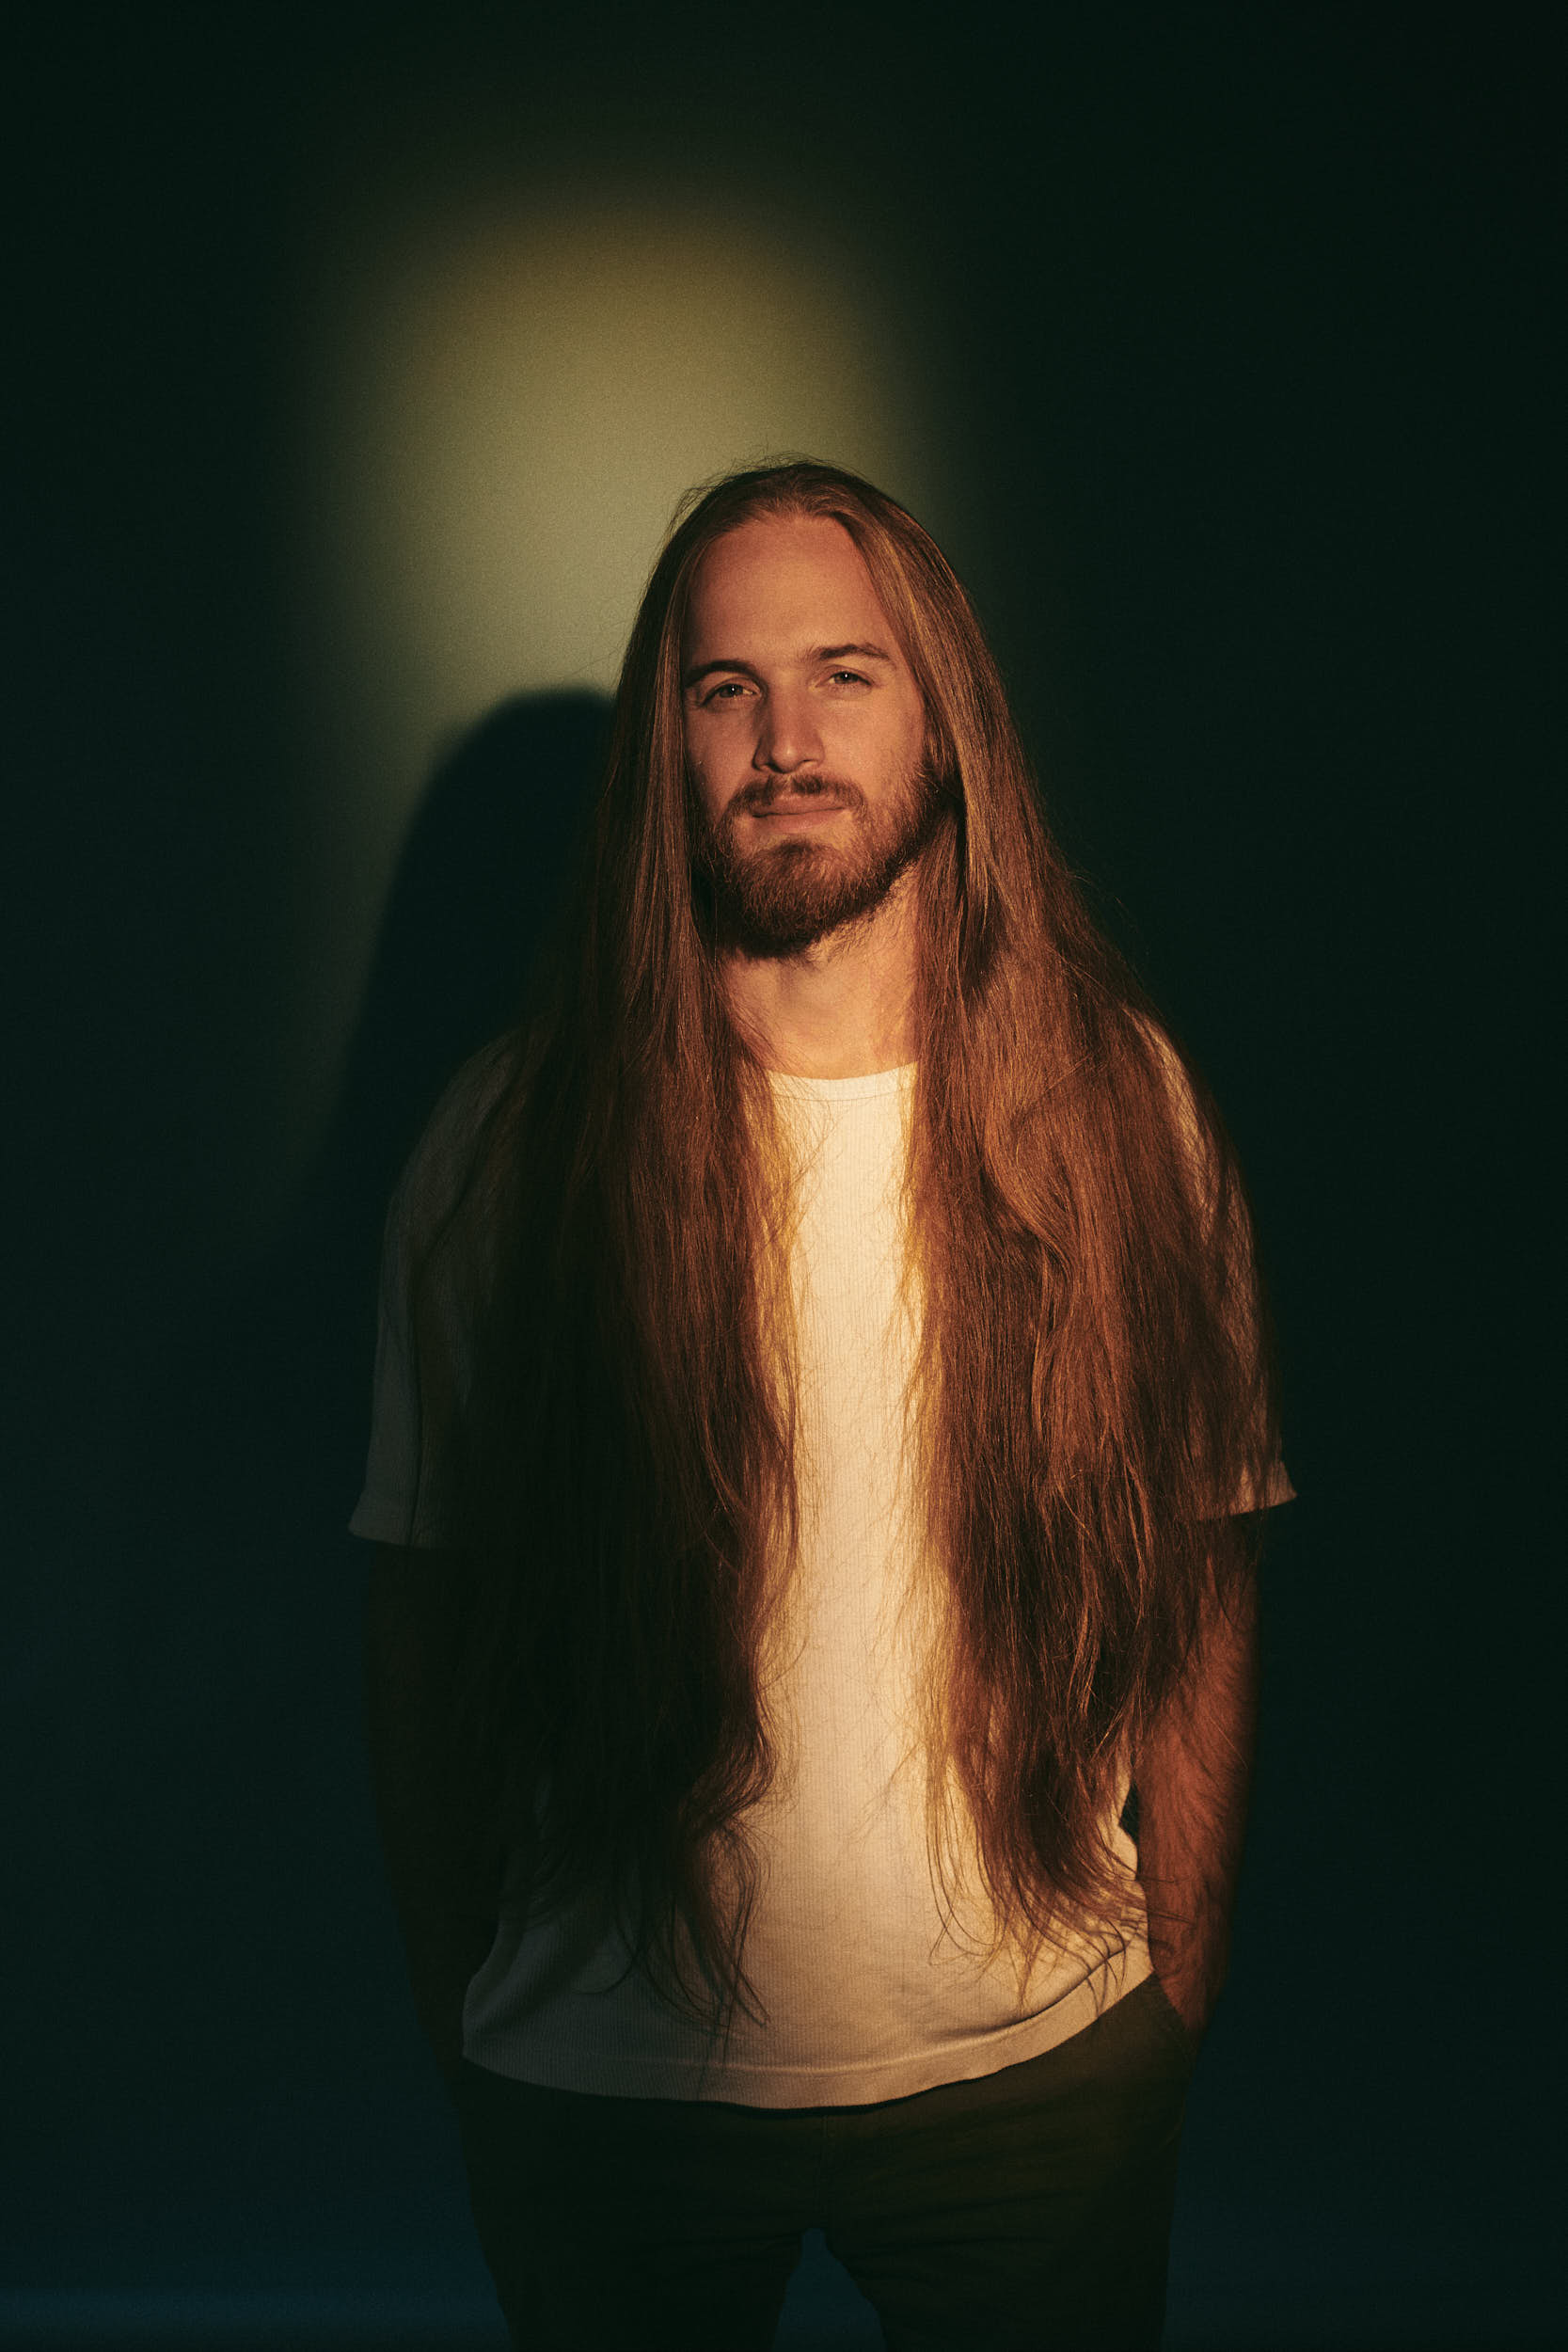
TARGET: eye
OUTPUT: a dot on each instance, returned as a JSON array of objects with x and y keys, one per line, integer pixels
[
  {"x": 847, "y": 677},
  {"x": 725, "y": 691}
]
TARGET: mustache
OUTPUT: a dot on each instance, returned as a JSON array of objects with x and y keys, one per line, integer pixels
[{"x": 757, "y": 798}]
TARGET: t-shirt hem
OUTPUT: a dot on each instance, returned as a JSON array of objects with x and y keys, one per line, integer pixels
[
  {"x": 554, "y": 2067},
  {"x": 380, "y": 1521}
]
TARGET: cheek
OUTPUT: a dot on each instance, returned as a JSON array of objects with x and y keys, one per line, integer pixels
[{"x": 896, "y": 733}]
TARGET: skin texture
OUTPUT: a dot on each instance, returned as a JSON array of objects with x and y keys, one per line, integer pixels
[
  {"x": 1194, "y": 1776},
  {"x": 806, "y": 762}
]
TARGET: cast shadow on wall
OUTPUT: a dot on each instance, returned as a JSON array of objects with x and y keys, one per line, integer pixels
[
  {"x": 480, "y": 874},
  {"x": 239, "y": 1784}
]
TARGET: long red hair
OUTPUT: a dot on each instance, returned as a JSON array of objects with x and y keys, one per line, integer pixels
[{"x": 1092, "y": 1393}]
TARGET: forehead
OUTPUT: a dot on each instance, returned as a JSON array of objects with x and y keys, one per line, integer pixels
[{"x": 785, "y": 581}]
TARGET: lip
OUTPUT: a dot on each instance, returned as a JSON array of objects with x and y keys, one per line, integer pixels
[{"x": 798, "y": 812}]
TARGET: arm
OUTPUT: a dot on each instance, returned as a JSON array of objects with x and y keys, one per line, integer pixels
[
  {"x": 428, "y": 1813},
  {"x": 1194, "y": 1777}
]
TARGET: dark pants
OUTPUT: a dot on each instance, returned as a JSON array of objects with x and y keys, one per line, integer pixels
[{"x": 1030, "y": 2209}]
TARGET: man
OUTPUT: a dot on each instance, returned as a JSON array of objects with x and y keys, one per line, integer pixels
[{"x": 821, "y": 1427}]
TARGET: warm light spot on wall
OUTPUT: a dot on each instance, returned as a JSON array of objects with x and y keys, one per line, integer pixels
[{"x": 502, "y": 405}]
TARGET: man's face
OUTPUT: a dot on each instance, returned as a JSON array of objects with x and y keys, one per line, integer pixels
[{"x": 805, "y": 733}]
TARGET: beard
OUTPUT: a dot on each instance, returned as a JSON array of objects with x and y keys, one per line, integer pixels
[{"x": 789, "y": 894}]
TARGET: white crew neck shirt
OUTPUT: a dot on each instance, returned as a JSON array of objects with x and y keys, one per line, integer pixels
[{"x": 871, "y": 1983}]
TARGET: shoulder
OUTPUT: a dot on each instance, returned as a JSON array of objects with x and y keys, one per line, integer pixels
[
  {"x": 444, "y": 1165},
  {"x": 1191, "y": 1119},
  {"x": 1171, "y": 1068}
]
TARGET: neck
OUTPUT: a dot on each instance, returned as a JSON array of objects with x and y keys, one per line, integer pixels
[{"x": 840, "y": 1009}]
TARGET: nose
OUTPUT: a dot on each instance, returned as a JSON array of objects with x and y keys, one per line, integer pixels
[{"x": 787, "y": 738}]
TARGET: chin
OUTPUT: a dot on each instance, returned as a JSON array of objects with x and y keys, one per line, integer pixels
[{"x": 783, "y": 920}]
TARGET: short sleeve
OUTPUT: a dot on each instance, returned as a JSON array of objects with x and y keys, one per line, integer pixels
[
  {"x": 421, "y": 1383},
  {"x": 1276, "y": 1489}
]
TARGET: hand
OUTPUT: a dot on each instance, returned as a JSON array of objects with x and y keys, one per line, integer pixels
[{"x": 1187, "y": 1997}]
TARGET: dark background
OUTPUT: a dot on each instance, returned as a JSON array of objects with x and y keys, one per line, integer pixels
[{"x": 1257, "y": 320}]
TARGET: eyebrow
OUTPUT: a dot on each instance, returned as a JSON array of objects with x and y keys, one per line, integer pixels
[{"x": 817, "y": 653}]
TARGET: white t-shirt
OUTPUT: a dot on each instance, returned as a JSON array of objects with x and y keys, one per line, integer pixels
[{"x": 873, "y": 1983}]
